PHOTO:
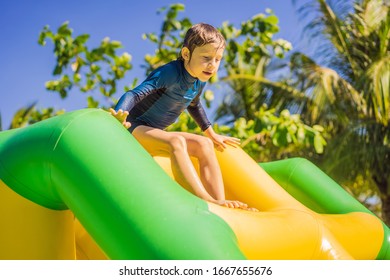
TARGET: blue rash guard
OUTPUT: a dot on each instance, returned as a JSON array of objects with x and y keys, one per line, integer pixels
[{"x": 163, "y": 96}]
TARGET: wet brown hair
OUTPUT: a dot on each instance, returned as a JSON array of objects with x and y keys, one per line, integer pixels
[{"x": 201, "y": 34}]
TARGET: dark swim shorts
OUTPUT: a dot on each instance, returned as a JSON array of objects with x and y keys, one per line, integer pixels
[{"x": 135, "y": 124}]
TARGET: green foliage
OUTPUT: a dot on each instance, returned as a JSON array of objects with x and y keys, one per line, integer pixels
[
  {"x": 364, "y": 190},
  {"x": 252, "y": 42},
  {"x": 87, "y": 69},
  {"x": 169, "y": 41},
  {"x": 270, "y": 137},
  {"x": 30, "y": 115},
  {"x": 79, "y": 67},
  {"x": 250, "y": 50}
]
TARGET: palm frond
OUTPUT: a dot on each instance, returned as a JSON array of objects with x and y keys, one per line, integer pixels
[
  {"x": 281, "y": 86},
  {"x": 332, "y": 28},
  {"x": 375, "y": 83},
  {"x": 360, "y": 147},
  {"x": 324, "y": 86},
  {"x": 259, "y": 90}
]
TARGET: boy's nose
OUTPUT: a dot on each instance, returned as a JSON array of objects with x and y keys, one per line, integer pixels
[{"x": 211, "y": 65}]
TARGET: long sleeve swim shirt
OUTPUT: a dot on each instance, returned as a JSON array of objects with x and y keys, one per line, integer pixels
[{"x": 163, "y": 96}]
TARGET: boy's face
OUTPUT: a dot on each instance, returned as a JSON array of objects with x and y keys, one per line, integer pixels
[{"x": 204, "y": 61}]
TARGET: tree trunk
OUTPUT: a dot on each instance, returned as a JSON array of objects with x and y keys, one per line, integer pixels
[
  {"x": 383, "y": 184},
  {"x": 386, "y": 209}
]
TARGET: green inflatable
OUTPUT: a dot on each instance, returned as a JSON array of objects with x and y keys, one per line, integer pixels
[{"x": 56, "y": 164}]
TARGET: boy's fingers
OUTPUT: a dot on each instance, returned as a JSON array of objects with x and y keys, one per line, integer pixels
[
  {"x": 234, "y": 145},
  {"x": 123, "y": 114},
  {"x": 234, "y": 142},
  {"x": 233, "y": 139}
]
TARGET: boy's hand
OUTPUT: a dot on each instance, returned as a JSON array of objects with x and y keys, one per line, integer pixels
[
  {"x": 221, "y": 140},
  {"x": 121, "y": 117}
]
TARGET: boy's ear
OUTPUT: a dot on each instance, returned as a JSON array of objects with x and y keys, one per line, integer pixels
[{"x": 185, "y": 53}]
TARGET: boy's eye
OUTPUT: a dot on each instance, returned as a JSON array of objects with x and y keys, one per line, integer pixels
[{"x": 208, "y": 58}]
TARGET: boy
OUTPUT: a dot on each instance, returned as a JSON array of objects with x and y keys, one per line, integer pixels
[{"x": 158, "y": 101}]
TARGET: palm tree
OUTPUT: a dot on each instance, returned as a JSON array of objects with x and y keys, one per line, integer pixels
[{"x": 350, "y": 89}]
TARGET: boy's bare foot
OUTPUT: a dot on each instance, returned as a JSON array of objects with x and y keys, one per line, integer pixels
[
  {"x": 236, "y": 204},
  {"x": 231, "y": 203}
]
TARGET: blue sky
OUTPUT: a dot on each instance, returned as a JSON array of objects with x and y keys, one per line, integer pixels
[{"x": 26, "y": 66}]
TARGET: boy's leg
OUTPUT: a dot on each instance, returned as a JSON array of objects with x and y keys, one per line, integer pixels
[
  {"x": 202, "y": 148},
  {"x": 159, "y": 142},
  {"x": 175, "y": 145}
]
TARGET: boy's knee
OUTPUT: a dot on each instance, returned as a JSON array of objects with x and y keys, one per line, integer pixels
[
  {"x": 205, "y": 145},
  {"x": 178, "y": 143}
]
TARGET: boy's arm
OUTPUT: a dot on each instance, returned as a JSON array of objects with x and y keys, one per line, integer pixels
[
  {"x": 129, "y": 99},
  {"x": 160, "y": 78},
  {"x": 195, "y": 109},
  {"x": 134, "y": 96}
]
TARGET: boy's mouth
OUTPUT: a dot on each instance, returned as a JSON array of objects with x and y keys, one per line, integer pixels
[{"x": 207, "y": 73}]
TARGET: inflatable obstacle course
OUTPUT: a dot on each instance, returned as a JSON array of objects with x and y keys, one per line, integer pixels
[{"x": 80, "y": 186}]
